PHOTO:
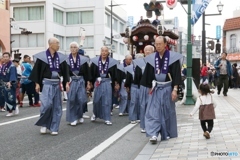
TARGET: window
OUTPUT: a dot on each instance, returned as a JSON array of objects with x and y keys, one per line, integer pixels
[
  {"x": 58, "y": 16},
  {"x": 83, "y": 17},
  {"x": 35, "y": 13},
  {"x": 121, "y": 27},
  {"x": 31, "y": 40},
  {"x": 88, "y": 42},
  {"x": 115, "y": 46},
  {"x": 115, "y": 24},
  {"x": 70, "y": 40},
  {"x": 28, "y": 13},
  {"x": 86, "y": 17},
  {"x": 73, "y": 18},
  {"x": 108, "y": 20},
  {"x": 108, "y": 40},
  {"x": 61, "y": 41},
  {"x": 168, "y": 22},
  {"x": 233, "y": 44},
  {"x": 121, "y": 49}
]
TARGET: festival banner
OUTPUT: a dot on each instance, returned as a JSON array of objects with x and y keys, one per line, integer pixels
[{"x": 199, "y": 6}]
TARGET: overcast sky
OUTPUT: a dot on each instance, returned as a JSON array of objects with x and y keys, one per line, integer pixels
[{"x": 135, "y": 8}]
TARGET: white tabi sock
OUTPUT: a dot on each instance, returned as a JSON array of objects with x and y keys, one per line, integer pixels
[{"x": 65, "y": 95}]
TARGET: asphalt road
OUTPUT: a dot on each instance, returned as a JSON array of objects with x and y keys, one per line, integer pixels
[{"x": 21, "y": 140}]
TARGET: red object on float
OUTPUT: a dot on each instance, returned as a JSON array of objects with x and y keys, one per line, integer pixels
[
  {"x": 135, "y": 38},
  {"x": 171, "y": 3}
]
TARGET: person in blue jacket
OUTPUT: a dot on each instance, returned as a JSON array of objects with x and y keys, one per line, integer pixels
[
  {"x": 27, "y": 86},
  {"x": 224, "y": 72}
]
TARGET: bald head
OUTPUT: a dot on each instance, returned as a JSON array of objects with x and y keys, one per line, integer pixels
[
  {"x": 52, "y": 40},
  {"x": 160, "y": 44},
  {"x": 161, "y": 38},
  {"x": 148, "y": 50},
  {"x": 53, "y": 44}
]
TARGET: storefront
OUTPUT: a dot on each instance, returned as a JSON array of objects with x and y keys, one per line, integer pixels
[{"x": 234, "y": 58}]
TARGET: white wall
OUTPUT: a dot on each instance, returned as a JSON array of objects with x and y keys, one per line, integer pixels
[{"x": 228, "y": 34}]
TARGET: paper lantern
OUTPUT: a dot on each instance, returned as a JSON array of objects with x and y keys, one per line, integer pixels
[
  {"x": 167, "y": 38},
  {"x": 146, "y": 37},
  {"x": 125, "y": 40},
  {"x": 171, "y": 3},
  {"x": 135, "y": 38}
]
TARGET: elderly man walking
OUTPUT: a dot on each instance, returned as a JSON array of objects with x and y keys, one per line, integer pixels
[{"x": 49, "y": 71}]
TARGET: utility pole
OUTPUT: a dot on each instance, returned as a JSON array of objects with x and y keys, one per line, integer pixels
[
  {"x": 189, "y": 98},
  {"x": 111, "y": 12}
]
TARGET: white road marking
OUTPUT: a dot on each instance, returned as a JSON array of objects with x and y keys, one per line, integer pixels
[
  {"x": 98, "y": 149},
  {"x": 27, "y": 118}
]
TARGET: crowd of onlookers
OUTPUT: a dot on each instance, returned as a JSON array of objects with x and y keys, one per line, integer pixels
[
  {"x": 210, "y": 72},
  {"x": 211, "y": 75},
  {"x": 24, "y": 86}
]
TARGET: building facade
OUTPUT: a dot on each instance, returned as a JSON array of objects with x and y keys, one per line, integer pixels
[
  {"x": 182, "y": 41},
  {"x": 4, "y": 26},
  {"x": 231, "y": 38},
  {"x": 67, "y": 20}
]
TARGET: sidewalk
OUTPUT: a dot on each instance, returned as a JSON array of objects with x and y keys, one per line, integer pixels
[{"x": 190, "y": 144}]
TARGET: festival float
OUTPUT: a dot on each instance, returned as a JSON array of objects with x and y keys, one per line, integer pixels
[{"x": 145, "y": 32}]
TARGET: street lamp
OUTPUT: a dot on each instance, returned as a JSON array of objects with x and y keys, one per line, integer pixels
[
  {"x": 112, "y": 5},
  {"x": 220, "y": 8}
]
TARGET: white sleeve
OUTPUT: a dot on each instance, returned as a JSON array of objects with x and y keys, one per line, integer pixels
[
  {"x": 19, "y": 71},
  {"x": 196, "y": 107}
]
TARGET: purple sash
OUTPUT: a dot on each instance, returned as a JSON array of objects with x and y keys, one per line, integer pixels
[
  {"x": 103, "y": 68},
  {"x": 124, "y": 63},
  {"x": 54, "y": 62},
  {"x": 74, "y": 66},
  {"x": 5, "y": 67},
  {"x": 161, "y": 65}
]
